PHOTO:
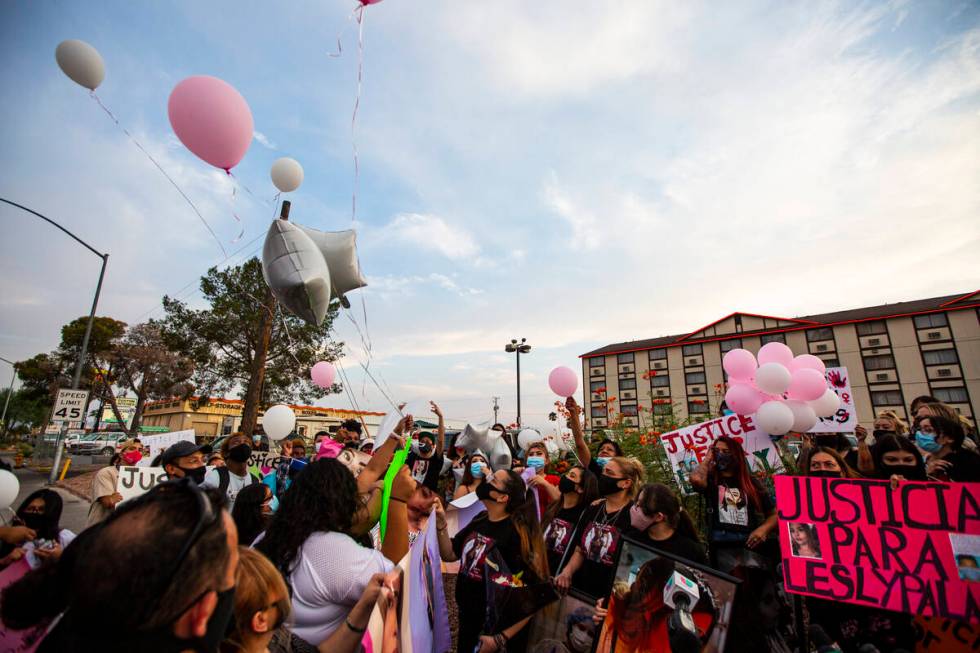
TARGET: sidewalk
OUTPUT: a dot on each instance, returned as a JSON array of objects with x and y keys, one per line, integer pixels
[{"x": 75, "y": 513}]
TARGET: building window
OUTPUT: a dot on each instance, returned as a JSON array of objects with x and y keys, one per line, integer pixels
[
  {"x": 930, "y": 321},
  {"x": 886, "y": 398},
  {"x": 597, "y": 361},
  {"x": 659, "y": 381},
  {"x": 883, "y": 362},
  {"x": 738, "y": 324},
  {"x": 697, "y": 407},
  {"x": 691, "y": 350},
  {"x": 595, "y": 385},
  {"x": 695, "y": 377},
  {"x": 830, "y": 362},
  {"x": 871, "y": 328},
  {"x": 658, "y": 354},
  {"x": 629, "y": 410},
  {"x": 599, "y": 411},
  {"x": 627, "y": 384},
  {"x": 663, "y": 409},
  {"x": 773, "y": 337},
  {"x": 728, "y": 345},
  {"x": 624, "y": 358},
  {"x": 951, "y": 395},
  {"x": 813, "y": 335},
  {"x": 940, "y": 357}
]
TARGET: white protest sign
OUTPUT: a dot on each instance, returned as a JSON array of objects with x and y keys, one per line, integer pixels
[
  {"x": 134, "y": 481},
  {"x": 687, "y": 447},
  {"x": 70, "y": 405},
  {"x": 415, "y": 408},
  {"x": 157, "y": 444},
  {"x": 845, "y": 419}
]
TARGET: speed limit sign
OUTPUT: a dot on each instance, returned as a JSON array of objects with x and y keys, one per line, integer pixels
[{"x": 70, "y": 406}]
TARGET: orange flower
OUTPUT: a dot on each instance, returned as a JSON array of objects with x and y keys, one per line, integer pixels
[{"x": 610, "y": 400}]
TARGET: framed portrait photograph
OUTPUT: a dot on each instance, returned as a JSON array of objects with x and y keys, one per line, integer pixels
[
  {"x": 659, "y": 602},
  {"x": 565, "y": 625}
]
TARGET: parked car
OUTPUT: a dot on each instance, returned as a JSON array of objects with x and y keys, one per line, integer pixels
[{"x": 104, "y": 443}]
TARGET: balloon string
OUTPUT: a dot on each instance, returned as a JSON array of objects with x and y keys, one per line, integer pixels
[
  {"x": 234, "y": 194},
  {"x": 357, "y": 104},
  {"x": 160, "y": 168},
  {"x": 275, "y": 206}
]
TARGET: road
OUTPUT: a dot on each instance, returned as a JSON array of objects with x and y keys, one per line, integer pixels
[{"x": 75, "y": 512}]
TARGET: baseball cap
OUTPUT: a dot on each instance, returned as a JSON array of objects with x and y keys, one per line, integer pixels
[{"x": 179, "y": 450}]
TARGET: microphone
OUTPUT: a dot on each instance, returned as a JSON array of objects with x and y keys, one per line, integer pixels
[{"x": 681, "y": 593}]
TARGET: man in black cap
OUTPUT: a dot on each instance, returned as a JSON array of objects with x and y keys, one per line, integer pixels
[
  {"x": 426, "y": 461},
  {"x": 184, "y": 459}
]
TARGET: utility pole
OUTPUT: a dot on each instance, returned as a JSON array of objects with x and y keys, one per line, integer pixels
[
  {"x": 518, "y": 348},
  {"x": 496, "y": 409},
  {"x": 256, "y": 376}
]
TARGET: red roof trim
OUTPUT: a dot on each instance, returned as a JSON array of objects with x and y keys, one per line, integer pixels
[
  {"x": 784, "y": 330},
  {"x": 959, "y": 299},
  {"x": 764, "y": 317}
]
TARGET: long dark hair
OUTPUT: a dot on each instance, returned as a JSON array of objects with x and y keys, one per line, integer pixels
[
  {"x": 468, "y": 478},
  {"x": 590, "y": 492},
  {"x": 523, "y": 514},
  {"x": 322, "y": 498},
  {"x": 247, "y": 513},
  {"x": 846, "y": 470},
  {"x": 657, "y": 497},
  {"x": 890, "y": 443},
  {"x": 743, "y": 475},
  {"x": 53, "y": 506}
]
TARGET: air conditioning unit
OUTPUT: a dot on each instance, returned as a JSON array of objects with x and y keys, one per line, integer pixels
[
  {"x": 944, "y": 372},
  {"x": 821, "y": 347},
  {"x": 695, "y": 390},
  {"x": 627, "y": 369},
  {"x": 934, "y": 335},
  {"x": 598, "y": 371},
  {"x": 661, "y": 392},
  {"x": 660, "y": 365},
  {"x": 628, "y": 395},
  {"x": 881, "y": 377},
  {"x": 692, "y": 361},
  {"x": 874, "y": 342}
]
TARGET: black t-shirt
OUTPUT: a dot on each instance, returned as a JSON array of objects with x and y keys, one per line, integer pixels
[
  {"x": 730, "y": 509},
  {"x": 426, "y": 470},
  {"x": 471, "y": 546},
  {"x": 677, "y": 544},
  {"x": 559, "y": 533},
  {"x": 965, "y": 466},
  {"x": 598, "y": 537}
]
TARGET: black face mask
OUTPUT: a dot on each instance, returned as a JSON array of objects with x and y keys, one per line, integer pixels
[
  {"x": 723, "y": 460},
  {"x": 163, "y": 639},
  {"x": 826, "y": 473},
  {"x": 609, "y": 485},
  {"x": 196, "y": 474},
  {"x": 34, "y": 521},
  {"x": 240, "y": 453},
  {"x": 880, "y": 433},
  {"x": 483, "y": 491},
  {"x": 910, "y": 472},
  {"x": 566, "y": 485},
  {"x": 425, "y": 448}
]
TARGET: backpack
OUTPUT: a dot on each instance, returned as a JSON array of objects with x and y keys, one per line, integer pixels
[{"x": 224, "y": 479}]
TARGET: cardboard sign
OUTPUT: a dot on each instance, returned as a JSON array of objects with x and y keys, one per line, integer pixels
[
  {"x": 425, "y": 624},
  {"x": 157, "y": 444},
  {"x": 687, "y": 447},
  {"x": 845, "y": 419},
  {"x": 935, "y": 635},
  {"x": 912, "y": 549},
  {"x": 134, "y": 481}
]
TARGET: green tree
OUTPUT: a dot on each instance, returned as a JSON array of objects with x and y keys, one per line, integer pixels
[
  {"x": 25, "y": 411},
  {"x": 97, "y": 370},
  {"x": 222, "y": 339}
]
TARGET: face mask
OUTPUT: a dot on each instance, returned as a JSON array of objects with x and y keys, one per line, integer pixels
[
  {"x": 196, "y": 474},
  {"x": 880, "y": 433},
  {"x": 220, "y": 619},
  {"x": 927, "y": 442},
  {"x": 476, "y": 469},
  {"x": 566, "y": 485},
  {"x": 910, "y": 472},
  {"x": 274, "y": 504},
  {"x": 256, "y": 439},
  {"x": 132, "y": 457},
  {"x": 602, "y": 460},
  {"x": 580, "y": 640},
  {"x": 483, "y": 491},
  {"x": 537, "y": 462},
  {"x": 33, "y": 521},
  {"x": 162, "y": 638},
  {"x": 826, "y": 473},
  {"x": 425, "y": 448},
  {"x": 240, "y": 453},
  {"x": 727, "y": 411},
  {"x": 723, "y": 460},
  {"x": 609, "y": 485},
  {"x": 639, "y": 519},
  {"x": 458, "y": 474}
]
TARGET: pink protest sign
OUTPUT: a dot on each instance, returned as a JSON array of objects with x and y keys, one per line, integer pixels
[{"x": 911, "y": 549}]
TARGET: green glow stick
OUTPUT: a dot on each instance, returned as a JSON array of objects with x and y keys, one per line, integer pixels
[{"x": 396, "y": 464}]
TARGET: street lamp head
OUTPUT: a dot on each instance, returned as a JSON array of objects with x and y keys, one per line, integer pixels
[
  {"x": 510, "y": 349},
  {"x": 524, "y": 349},
  {"x": 513, "y": 341}
]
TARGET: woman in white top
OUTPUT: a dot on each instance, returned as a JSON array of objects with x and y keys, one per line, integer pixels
[
  {"x": 41, "y": 512},
  {"x": 308, "y": 541}
]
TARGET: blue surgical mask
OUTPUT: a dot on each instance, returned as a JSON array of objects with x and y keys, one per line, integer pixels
[
  {"x": 927, "y": 442},
  {"x": 602, "y": 460},
  {"x": 274, "y": 504},
  {"x": 537, "y": 462},
  {"x": 476, "y": 469},
  {"x": 727, "y": 411}
]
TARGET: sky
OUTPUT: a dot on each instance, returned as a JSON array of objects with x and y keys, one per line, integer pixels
[{"x": 575, "y": 174}]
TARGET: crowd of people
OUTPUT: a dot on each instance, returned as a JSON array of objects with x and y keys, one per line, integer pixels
[{"x": 223, "y": 557}]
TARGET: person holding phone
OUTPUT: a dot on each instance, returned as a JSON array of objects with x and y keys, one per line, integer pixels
[{"x": 41, "y": 512}]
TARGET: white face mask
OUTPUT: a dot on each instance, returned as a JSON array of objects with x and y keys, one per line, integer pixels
[{"x": 580, "y": 640}]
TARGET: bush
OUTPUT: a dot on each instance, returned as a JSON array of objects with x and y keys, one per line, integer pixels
[{"x": 25, "y": 449}]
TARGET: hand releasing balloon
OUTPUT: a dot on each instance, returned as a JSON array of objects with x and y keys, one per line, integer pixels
[
  {"x": 323, "y": 374},
  {"x": 279, "y": 421},
  {"x": 287, "y": 174},
  {"x": 212, "y": 119},
  {"x": 81, "y": 62},
  {"x": 563, "y": 381}
]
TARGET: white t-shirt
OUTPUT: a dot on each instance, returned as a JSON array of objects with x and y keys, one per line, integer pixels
[
  {"x": 327, "y": 580},
  {"x": 65, "y": 537},
  {"x": 235, "y": 483}
]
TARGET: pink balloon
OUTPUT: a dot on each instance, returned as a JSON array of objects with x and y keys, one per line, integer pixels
[
  {"x": 739, "y": 363},
  {"x": 212, "y": 119},
  {"x": 563, "y": 381},
  {"x": 323, "y": 374},
  {"x": 807, "y": 362},
  {"x": 806, "y": 385},
  {"x": 369, "y": 2},
  {"x": 743, "y": 398},
  {"x": 775, "y": 352}
]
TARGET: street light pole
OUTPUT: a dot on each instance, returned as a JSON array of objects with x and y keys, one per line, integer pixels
[
  {"x": 518, "y": 348},
  {"x": 10, "y": 391}
]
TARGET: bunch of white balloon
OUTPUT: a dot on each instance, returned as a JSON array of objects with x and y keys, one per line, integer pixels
[{"x": 785, "y": 393}]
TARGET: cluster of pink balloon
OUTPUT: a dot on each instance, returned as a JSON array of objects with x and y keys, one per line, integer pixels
[
  {"x": 785, "y": 393},
  {"x": 323, "y": 374}
]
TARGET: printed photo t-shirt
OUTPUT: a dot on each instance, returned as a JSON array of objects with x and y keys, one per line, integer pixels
[
  {"x": 558, "y": 534},
  {"x": 599, "y": 536}
]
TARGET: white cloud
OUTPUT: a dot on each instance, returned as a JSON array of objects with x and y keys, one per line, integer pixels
[
  {"x": 264, "y": 140},
  {"x": 432, "y": 233}
]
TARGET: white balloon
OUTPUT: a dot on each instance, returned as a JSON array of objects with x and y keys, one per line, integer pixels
[
  {"x": 279, "y": 421},
  {"x": 826, "y": 405},
  {"x": 9, "y": 488},
  {"x": 81, "y": 62},
  {"x": 287, "y": 174},
  {"x": 804, "y": 418},
  {"x": 772, "y": 378},
  {"x": 527, "y": 437},
  {"x": 774, "y": 417}
]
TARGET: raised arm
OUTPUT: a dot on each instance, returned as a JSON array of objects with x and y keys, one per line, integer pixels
[
  {"x": 395, "y": 545},
  {"x": 381, "y": 459},
  {"x": 866, "y": 463},
  {"x": 574, "y": 421},
  {"x": 441, "y": 435},
  {"x": 445, "y": 542}
]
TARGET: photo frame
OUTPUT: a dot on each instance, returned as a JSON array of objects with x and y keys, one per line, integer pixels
[
  {"x": 565, "y": 625},
  {"x": 640, "y": 617}
]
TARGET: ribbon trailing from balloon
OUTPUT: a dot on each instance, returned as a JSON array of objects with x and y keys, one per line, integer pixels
[{"x": 397, "y": 461}]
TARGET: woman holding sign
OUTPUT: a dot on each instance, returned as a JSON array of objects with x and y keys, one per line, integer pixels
[{"x": 741, "y": 512}]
